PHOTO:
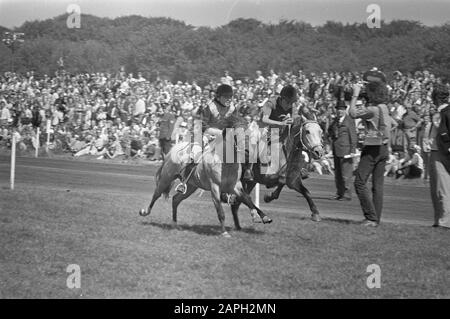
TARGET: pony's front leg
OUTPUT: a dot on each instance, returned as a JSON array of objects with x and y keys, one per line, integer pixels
[
  {"x": 297, "y": 184},
  {"x": 215, "y": 193},
  {"x": 274, "y": 195},
  {"x": 245, "y": 198}
]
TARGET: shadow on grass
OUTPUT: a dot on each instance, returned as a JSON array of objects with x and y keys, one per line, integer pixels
[
  {"x": 208, "y": 230},
  {"x": 326, "y": 219}
]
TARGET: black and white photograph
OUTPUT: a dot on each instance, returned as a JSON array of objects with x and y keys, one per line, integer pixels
[{"x": 224, "y": 154}]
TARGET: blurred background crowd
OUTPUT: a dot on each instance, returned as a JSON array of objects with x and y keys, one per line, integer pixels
[{"x": 126, "y": 116}]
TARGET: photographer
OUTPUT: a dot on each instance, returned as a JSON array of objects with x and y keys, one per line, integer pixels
[{"x": 375, "y": 116}]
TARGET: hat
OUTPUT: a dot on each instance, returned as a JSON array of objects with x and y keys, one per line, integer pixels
[
  {"x": 289, "y": 93},
  {"x": 341, "y": 105},
  {"x": 374, "y": 76},
  {"x": 224, "y": 89}
]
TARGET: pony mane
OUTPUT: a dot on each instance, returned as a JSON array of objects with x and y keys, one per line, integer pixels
[{"x": 234, "y": 121}]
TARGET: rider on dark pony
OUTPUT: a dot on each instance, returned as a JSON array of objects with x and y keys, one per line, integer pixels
[{"x": 277, "y": 112}]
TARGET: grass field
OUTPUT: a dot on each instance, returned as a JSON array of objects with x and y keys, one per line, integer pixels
[{"x": 44, "y": 227}]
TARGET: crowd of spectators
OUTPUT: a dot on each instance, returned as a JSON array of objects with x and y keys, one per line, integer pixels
[{"x": 123, "y": 115}]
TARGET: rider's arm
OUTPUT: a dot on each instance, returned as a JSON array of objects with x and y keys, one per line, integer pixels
[
  {"x": 266, "y": 110},
  {"x": 206, "y": 120}
]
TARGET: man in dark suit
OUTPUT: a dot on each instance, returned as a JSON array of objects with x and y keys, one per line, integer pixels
[
  {"x": 342, "y": 132},
  {"x": 440, "y": 158}
]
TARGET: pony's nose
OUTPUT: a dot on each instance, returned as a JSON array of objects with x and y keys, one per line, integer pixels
[{"x": 318, "y": 151}]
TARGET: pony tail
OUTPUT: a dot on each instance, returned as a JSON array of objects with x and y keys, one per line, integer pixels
[{"x": 166, "y": 191}]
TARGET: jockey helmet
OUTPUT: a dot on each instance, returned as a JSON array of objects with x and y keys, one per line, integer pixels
[
  {"x": 289, "y": 93},
  {"x": 224, "y": 90}
]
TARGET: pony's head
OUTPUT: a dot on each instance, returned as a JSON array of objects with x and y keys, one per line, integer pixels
[{"x": 307, "y": 135}]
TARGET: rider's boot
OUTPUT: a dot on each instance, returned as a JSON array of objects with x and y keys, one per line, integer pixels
[
  {"x": 304, "y": 173},
  {"x": 182, "y": 187},
  {"x": 230, "y": 199},
  {"x": 248, "y": 173}
]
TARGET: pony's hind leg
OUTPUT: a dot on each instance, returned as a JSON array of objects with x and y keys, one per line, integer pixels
[
  {"x": 178, "y": 198},
  {"x": 215, "y": 193},
  {"x": 162, "y": 187},
  {"x": 234, "y": 211},
  {"x": 274, "y": 195}
]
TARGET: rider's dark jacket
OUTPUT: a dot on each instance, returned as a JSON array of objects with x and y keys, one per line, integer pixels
[{"x": 278, "y": 112}]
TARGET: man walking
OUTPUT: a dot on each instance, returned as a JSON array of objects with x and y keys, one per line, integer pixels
[
  {"x": 343, "y": 135},
  {"x": 440, "y": 158}
]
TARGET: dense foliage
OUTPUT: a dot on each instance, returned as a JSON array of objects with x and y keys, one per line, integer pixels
[{"x": 178, "y": 51}]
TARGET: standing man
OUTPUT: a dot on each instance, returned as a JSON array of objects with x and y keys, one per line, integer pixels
[
  {"x": 166, "y": 125},
  {"x": 375, "y": 116},
  {"x": 410, "y": 123},
  {"x": 440, "y": 158},
  {"x": 343, "y": 135}
]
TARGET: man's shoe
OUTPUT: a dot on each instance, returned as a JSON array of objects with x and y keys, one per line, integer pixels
[
  {"x": 345, "y": 198},
  {"x": 369, "y": 223},
  {"x": 181, "y": 188},
  {"x": 337, "y": 197},
  {"x": 444, "y": 222}
]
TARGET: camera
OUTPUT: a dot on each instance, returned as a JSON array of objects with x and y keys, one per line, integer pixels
[{"x": 344, "y": 91}]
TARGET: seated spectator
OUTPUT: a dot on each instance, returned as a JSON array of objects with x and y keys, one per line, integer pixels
[
  {"x": 412, "y": 165},
  {"x": 135, "y": 146},
  {"x": 113, "y": 149},
  {"x": 392, "y": 164}
]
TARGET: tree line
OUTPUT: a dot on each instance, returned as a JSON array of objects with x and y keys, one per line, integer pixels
[{"x": 173, "y": 49}]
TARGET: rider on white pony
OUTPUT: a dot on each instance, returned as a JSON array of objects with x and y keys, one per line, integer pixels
[{"x": 213, "y": 115}]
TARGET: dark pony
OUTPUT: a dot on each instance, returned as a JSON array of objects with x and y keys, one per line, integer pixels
[{"x": 303, "y": 135}]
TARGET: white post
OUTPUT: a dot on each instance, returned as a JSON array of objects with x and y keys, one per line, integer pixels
[
  {"x": 48, "y": 135},
  {"x": 257, "y": 195},
  {"x": 37, "y": 143},
  {"x": 13, "y": 159}
]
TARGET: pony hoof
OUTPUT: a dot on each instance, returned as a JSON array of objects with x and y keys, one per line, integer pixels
[
  {"x": 255, "y": 216},
  {"x": 226, "y": 235},
  {"x": 267, "y": 199},
  {"x": 143, "y": 212},
  {"x": 316, "y": 217},
  {"x": 266, "y": 220}
]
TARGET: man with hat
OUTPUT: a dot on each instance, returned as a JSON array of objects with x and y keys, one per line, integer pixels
[
  {"x": 375, "y": 152},
  {"x": 342, "y": 133}
]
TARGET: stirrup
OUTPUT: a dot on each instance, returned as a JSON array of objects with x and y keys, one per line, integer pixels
[
  {"x": 248, "y": 175},
  {"x": 231, "y": 199},
  {"x": 181, "y": 188}
]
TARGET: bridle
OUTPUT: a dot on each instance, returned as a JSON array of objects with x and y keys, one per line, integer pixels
[{"x": 300, "y": 134}]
